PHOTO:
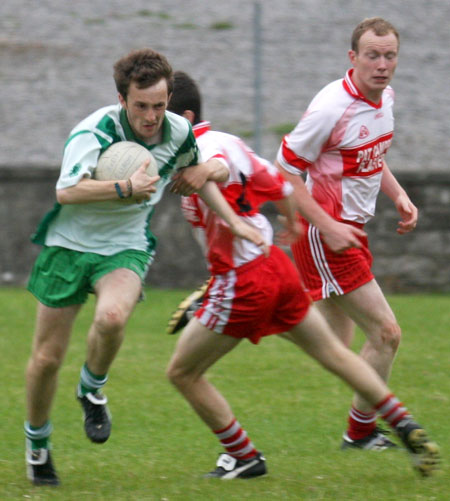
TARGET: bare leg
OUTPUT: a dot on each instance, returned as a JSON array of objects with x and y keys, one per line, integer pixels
[
  {"x": 198, "y": 349},
  {"x": 341, "y": 324},
  {"x": 315, "y": 337},
  {"x": 51, "y": 338},
  {"x": 117, "y": 295},
  {"x": 369, "y": 309}
]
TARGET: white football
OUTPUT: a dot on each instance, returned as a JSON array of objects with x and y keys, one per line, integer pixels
[{"x": 122, "y": 159}]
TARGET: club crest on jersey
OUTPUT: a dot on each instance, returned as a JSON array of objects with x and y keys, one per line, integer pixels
[{"x": 363, "y": 132}]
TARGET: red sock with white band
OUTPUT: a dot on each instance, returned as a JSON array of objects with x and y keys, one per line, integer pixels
[
  {"x": 235, "y": 441},
  {"x": 392, "y": 411},
  {"x": 360, "y": 424}
]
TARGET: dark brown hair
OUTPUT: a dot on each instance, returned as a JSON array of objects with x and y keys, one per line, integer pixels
[
  {"x": 185, "y": 96},
  {"x": 144, "y": 67}
]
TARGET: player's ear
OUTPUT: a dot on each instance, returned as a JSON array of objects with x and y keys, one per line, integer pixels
[
  {"x": 352, "y": 56},
  {"x": 122, "y": 101},
  {"x": 190, "y": 115}
]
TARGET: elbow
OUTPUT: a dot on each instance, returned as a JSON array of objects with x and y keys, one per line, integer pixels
[
  {"x": 218, "y": 172},
  {"x": 223, "y": 175},
  {"x": 75, "y": 194},
  {"x": 62, "y": 197}
]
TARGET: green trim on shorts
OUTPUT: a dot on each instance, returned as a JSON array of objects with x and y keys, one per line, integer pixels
[{"x": 63, "y": 277}]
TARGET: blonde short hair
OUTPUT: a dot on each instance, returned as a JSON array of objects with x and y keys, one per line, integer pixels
[{"x": 378, "y": 25}]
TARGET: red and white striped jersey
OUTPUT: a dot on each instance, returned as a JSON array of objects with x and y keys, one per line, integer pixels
[
  {"x": 341, "y": 141},
  {"x": 252, "y": 182}
]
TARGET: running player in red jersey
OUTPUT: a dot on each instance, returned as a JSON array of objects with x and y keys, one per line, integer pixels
[
  {"x": 252, "y": 295},
  {"x": 340, "y": 143}
]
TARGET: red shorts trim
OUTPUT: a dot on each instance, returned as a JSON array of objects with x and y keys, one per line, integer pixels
[
  {"x": 325, "y": 272},
  {"x": 260, "y": 298}
]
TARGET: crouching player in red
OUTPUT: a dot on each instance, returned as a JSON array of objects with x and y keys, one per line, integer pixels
[{"x": 251, "y": 295}]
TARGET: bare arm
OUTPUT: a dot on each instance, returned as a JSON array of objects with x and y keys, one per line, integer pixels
[
  {"x": 338, "y": 236},
  {"x": 212, "y": 196},
  {"x": 407, "y": 210},
  {"x": 92, "y": 190},
  {"x": 191, "y": 179},
  {"x": 292, "y": 228}
]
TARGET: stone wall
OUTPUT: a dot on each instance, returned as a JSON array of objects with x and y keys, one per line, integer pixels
[{"x": 418, "y": 262}]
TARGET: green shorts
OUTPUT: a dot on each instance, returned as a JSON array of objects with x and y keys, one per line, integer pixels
[{"x": 63, "y": 277}]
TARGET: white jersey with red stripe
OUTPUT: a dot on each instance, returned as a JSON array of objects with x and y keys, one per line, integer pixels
[
  {"x": 341, "y": 142},
  {"x": 252, "y": 182}
]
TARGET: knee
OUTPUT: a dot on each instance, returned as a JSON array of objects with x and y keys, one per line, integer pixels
[
  {"x": 179, "y": 376},
  {"x": 109, "y": 321},
  {"x": 390, "y": 335},
  {"x": 45, "y": 362},
  {"x": 175, "y": 374}
]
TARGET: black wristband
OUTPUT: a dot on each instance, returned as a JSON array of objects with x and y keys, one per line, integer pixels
[{"x": 119, "y": 191}]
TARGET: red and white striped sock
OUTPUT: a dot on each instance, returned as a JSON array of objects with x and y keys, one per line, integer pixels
[
  {"x": 235, "y": 441},
  {"x": 392, "y": 411},
  {"x": 360, "y": 424}
]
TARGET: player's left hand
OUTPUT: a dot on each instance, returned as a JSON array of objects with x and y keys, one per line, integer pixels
[
  {"x": 408, "y": 213},
  {"x": 143, "y": 184},
  {"x": 243, "y": 230},
  {"x": 189, "y": 180}
]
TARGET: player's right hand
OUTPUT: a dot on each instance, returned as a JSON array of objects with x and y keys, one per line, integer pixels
[{"x": 342, "y": 236}]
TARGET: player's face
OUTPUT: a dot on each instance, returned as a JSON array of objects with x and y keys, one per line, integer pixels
[
  {"x": 145, "y": 109},
  {"x": 374, "y": 64}
]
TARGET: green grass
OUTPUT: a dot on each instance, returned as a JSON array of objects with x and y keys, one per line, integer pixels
[{"x": 293, "y": 410}]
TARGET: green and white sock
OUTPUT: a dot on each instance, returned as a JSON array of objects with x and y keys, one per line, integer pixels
[
  {"x": 38, "y": 436},
  {"x": 89, "y": 382}
]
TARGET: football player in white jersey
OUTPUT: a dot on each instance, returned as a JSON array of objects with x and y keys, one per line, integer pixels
[
  {"x": 96, "y": 241},
  {"x": 252, "y": 295},
  {"x": 340, "y": 143}
]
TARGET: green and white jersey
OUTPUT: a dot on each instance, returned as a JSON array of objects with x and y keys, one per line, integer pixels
[{"x": 110, "y": 227}]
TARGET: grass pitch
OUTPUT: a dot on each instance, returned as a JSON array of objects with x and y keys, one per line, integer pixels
[{"x": 292, "y": 409}]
